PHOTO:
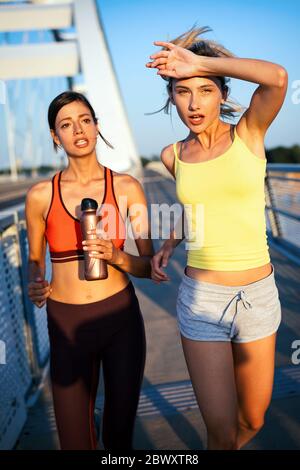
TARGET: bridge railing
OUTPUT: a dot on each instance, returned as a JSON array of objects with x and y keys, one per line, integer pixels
[
  {"x": 282, "y": 190},
  {"x": 24, "y": 346}
]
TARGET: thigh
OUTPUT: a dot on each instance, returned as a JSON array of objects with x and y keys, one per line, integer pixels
[
  {"x": 210, "y": 365},
  {"x": 254, "y": 364},
  {"x": 74, "y": 378},
  {"x": 74, "y": 370},
  {"x": 123, "y": 370}
]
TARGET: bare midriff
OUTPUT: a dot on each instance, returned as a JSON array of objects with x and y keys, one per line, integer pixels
[
  {"x": 230, "y": 278},
  {"x": 69, "y": 285}
]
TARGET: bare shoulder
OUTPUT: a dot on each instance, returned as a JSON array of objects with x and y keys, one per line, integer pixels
[
  {"x": 38, "y": 196},
  {"x": 37, "y": 191},
  {"x": 167, "y": 157},
  {"x": 254, "y": 140}
]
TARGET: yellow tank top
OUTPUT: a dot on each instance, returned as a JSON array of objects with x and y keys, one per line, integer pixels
[{"x": 224, "y": 204}]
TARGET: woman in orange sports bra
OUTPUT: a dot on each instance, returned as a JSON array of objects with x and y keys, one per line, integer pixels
[{"x": 89, "y": 322}]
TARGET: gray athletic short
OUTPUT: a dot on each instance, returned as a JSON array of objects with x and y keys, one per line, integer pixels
[{"x": 214, "y": 312}]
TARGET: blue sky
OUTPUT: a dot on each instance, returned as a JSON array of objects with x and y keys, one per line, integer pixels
[{"x": 261, "y": 29}]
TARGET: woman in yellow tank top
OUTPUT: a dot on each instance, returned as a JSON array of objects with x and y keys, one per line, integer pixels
[{"x": 228, "y": 308}]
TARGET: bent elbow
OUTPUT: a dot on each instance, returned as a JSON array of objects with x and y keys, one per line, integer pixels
[{"x": 282, "y": 77}]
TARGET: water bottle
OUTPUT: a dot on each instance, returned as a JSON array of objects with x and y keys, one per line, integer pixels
[{"x": 94, "y": 268}]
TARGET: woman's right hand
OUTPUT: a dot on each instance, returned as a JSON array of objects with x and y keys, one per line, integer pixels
[
  {"x": 177, "y": 62},
  {"x": 38, "y": 291},
  {"x": 159, "y": 260}
]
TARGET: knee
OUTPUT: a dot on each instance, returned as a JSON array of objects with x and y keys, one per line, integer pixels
[{"x": 252, "y": 424}]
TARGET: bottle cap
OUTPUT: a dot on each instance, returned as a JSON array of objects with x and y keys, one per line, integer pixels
[{"x": 88, "y": 203}]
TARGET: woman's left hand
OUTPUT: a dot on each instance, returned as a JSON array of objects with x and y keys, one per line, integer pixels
[
  {"x": 177, "y": 62},
  {"x": 103, "y": 246}
]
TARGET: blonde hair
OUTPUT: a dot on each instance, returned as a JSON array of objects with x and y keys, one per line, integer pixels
[{"x": 205, "y": 47}]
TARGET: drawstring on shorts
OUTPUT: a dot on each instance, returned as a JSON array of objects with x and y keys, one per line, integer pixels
[{"x": 241, "y": 295}]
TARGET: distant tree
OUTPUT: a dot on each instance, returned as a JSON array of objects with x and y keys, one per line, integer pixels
[
  {"x": 152, "y": 158},
  {"x": 284, "y": 154},
  {"x": 144, "y": 161}
]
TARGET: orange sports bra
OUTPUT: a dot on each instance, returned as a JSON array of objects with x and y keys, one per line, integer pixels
[{"x": 63, "y": 232}]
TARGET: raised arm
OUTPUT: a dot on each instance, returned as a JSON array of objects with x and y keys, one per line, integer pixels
[{"x": 267, "y": 99}]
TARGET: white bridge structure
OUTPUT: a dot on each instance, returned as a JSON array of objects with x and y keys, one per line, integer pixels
[{"x": 46, "y": 47}]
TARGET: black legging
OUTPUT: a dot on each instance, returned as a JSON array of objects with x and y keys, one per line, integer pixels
[{"x": 81, "y": 336}]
